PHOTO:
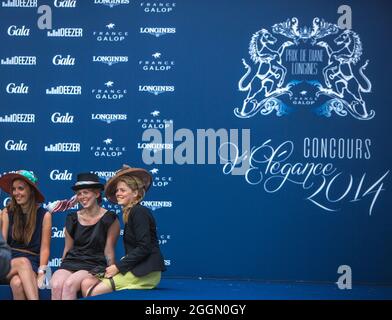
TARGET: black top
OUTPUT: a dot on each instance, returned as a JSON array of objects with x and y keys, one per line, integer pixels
[
  {"x": 141, "y": 244},
  {"x": 35, "y": 243},
  {"x": 89, "y": 242}
]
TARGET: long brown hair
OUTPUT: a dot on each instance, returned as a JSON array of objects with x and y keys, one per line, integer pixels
[
  {"x": 135, "y": 184},
  {"x": 23, "y": 231}
]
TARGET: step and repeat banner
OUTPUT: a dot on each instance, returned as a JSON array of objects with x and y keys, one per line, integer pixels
[{"x": 265, "y": 125}]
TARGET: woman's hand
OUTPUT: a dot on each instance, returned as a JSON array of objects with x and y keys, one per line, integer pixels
[
  {"x": 40, "y": 280},
  {"x": 111, "y": 271}
]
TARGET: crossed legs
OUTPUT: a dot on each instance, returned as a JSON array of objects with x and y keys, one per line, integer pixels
[{"x": 23, "y": 280}]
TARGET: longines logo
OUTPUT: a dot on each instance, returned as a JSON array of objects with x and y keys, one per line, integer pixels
[
  {"x": 66, "y": 33},
  {"x": 20, "y": 61},
  {"x": 12, "y": 145},
  {"x": 59, "y": 60},
  {"x": 108, "y": 149},
  {"x": 65, "y": 3},
  {"x": 155, "y": 147},
  {"x": 57, "y": 175},
  {"x": 110, "y": 60},
  {"x": 20, "y": 4},
  {"x": 110, "y": 93},
  {"x": 111, "y": 3},
  {"x": 158, "y": 180},
  {"x": 155, "y": 205},
  {"x": 157, "y": 7},
  {"x": 110, "y": 34},
  {"x": 13, "y": 88},
  {"x": 57, "y": 117},
  {"x": 157, "y": 31},
  {"x": 155, "y": 122},
  {"x": 63, "y": 147},
  {"x": 106, "y": 175},
  {"x": 108, "y": 118},
  {"x": 14, "y": 31},
  {"x": 155, "y": 90},
  {"x": 65, "y": 90},
  {"x": 156, "y": 64},
  {"x": 19, "y": 118}
]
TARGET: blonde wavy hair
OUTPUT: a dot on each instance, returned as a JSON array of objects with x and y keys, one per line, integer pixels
[{"x": 136, "y": 184}]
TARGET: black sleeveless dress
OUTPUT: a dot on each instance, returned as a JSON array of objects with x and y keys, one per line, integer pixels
[
  {"x": 89, "y": 242},
  {"x": 35, "y": 243}
]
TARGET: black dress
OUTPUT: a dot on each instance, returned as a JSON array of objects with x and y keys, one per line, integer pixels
[
  {"x": 34, "y": 245},
  {"x": 89, "y": 242}
]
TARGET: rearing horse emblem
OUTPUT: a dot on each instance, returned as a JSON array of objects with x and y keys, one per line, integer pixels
[
  {"x": 343, "y": 78},
  {"x": 341, "y": 82},
  {"x": 270, "y": 72}
]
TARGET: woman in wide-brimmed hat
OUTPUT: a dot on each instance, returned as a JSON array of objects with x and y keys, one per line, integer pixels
[
  {"x": 90, "y": 238},
  {"x": 143, "y": 263},
  {"x": 27, "y": 227}
]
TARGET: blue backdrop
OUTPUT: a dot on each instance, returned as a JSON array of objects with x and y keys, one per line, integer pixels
[{"x": 303, "y": 101}]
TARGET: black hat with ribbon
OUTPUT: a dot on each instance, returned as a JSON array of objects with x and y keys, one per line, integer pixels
[{"x": 87, "y": 180}]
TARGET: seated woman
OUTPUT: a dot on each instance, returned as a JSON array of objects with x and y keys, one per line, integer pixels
[
  {"x": 5, "y": 257},
  {"x": 27, "y": 227},
  {"x": 143, "y": 263},
  {"x": 90, "y": 238}
]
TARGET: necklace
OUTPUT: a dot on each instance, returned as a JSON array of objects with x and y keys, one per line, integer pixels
[{"x": 88, "y": 218}]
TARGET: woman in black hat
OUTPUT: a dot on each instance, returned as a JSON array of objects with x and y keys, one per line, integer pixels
[
  {"x": 27, "y": 228},
  {"x": 143, "y": 263},
  {"x": 90, "y": 238}
]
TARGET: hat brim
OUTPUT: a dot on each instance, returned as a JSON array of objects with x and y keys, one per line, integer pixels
[
  {"x": 88, "y": 186},
  {"x": 7, "y": 180},
  {"x": 142, "y": 174}
]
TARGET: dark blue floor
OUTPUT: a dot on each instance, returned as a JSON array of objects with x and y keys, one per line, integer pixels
[
  {"x": 6, "y": 293},
  {"x": 194, "y": 289},
  {"x": 212, "y": 289}
]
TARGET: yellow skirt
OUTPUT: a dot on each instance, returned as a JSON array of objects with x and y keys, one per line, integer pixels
[{"x": 130, "y": 281}]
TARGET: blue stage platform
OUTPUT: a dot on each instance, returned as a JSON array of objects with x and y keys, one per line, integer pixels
[
  {"x": 218, "y": 289},
  {"x": 6, "y": 293},
  {"x": 213, "y": 289}
]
